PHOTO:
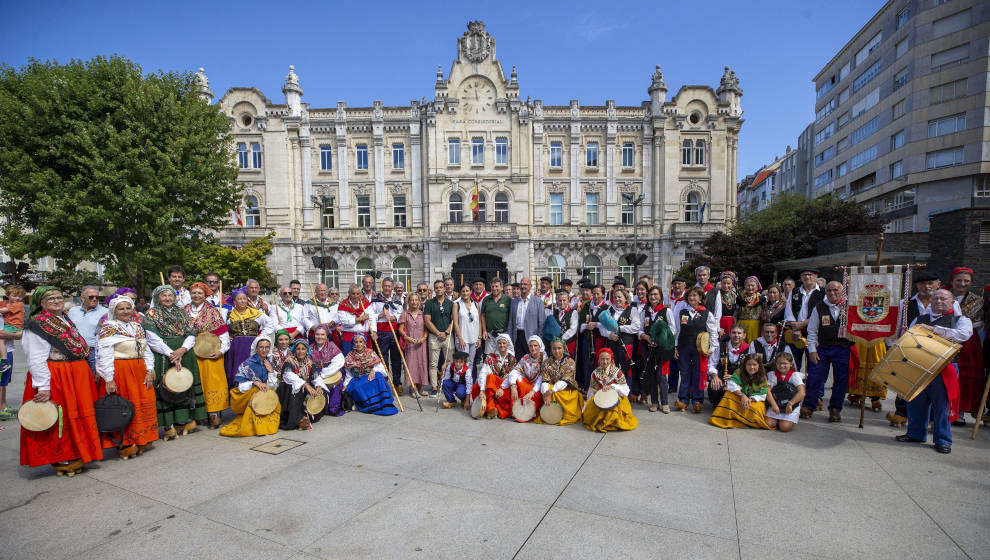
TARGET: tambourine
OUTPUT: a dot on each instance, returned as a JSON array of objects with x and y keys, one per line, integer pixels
[
  {"x": 523, "y": 410},
  {"x": 38, "y": 416},
  {"x": 207, "y": 344},
  {"x": 478, "y": 408},
  {"x": 264, "y": 403},
  {"x": 552, "y": 413},
  {"x": 606, "y": 399},
  {"x": 315, "y": 404},
  {"x": 178, "y": 380}
]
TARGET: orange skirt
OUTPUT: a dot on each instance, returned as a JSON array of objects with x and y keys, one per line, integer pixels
[
  {"x": 129, "y": 376},
  {"x": 492, "y": 385},
  {"x": 73, "y": 389},
  {"x": 504, "y": 404}
]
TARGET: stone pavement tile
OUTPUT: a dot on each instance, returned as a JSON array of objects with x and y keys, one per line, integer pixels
[
  {"x": 300, "y": 503},
  {"x": 764, "y": 549},
  {"x": 22, "y": 484},
  {"x": 330, "y": 433},
  {"x": 186, "y": 477},
  {"x": 845, "y": 519},
  {"x": 184, "y": 535},
  {"x": 671, "y": 496},
  {"x": 566, "y": 533},
  {"x": 425, "y": 520},
  {"x": 965, "y": 523},
  {"x": 567, "y": 438},
  {"x": 396, "y": 450},
  {"x": 519, "y": 471},
  {"x": 671, "y": 439},
  {"x": 64, "y": 517}
]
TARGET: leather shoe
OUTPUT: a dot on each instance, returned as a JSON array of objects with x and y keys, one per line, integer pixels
[
  {"x": 942, "y": 448},
  {"x": 907, "y": 439}
]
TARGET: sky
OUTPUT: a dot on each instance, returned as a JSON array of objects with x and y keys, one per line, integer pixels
[{"x": 362, "y": 51}]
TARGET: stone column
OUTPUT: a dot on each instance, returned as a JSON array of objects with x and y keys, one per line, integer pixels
[
  {"x": 415, "y": 143},
  {"x": 646, "y": 208},
  {"x": 343, "y": 191},
  {"x": 538, "y": 190},
  {"x": 611, "y": 193},
  {"x": 307, "y": 170},
  {"x": 575, "y": 149},
  {"x": 377, "y": 128}
]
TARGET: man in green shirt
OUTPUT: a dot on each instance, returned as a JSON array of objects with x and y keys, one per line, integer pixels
[
  {"x": 494, "y": 315},
  {"x": 436, "y": 316}
]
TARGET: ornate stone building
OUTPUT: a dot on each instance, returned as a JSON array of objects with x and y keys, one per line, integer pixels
[{"x": 558, "y": 186}]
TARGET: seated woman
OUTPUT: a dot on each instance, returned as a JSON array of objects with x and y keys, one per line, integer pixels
[
  {"x": 523, "y": 380},
  {"x": 281, "y": 351},
  {"x": 608, "y": 376},
  {"x": 743, "y": 405},
  {"x": 257, "y": 373},
  {"x": 327, "y": 360},
  {"x": 366, "y": 381},
  {"x": 298, "y": 373},
  {"x": 784, "y": 417},
  {"x": 494, "y": 369},
  {"x": 559, "y": 384},
  {"x": 126, "y": 366}
]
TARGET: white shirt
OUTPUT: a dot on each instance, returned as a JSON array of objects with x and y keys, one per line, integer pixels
[
  {"x": 731, "y": 386},
  {"x": 194, "y": 312},
  {"x": 803, "y": 312},
  {"x": 468, "y": 322},
  {"x": 322, "y": 314},
  {"x": 348, "y": 321},
  {"x": 468, "y": 375},
  {"x": 521, "y": 312},
  {"x": 105, "y": 357},
  {"x": 571, "y": 328},
  {"x": 768, "y": 350},
  {"x": 960, "y": 334},
  {"x": 734, "y": 358},
  {"x": 711, "y": 325},
  {"x": 287, "y": 317}
]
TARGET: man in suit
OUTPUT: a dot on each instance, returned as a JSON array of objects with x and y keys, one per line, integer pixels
[{"x": 526, "y": 317}]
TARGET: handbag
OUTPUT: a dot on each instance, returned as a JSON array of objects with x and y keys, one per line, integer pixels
[
  {"x": 113, "y": 414},
  {"x": 783, "y": 392}
]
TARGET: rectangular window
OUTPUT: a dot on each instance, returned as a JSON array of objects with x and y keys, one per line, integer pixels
[
  {"x": 399, "y": 210},
  {"x": 902, "y": 17},
  {"x": 824, "y": 134},
  {"x": 949, "y": 56},
  {"x": 364, "y": 211},
  {"x": 900, "y": 199},
  {"x": 501, "y": 151},
  {"x": 899, "y": 109},
  {"x": 823, "y": 179},
  {"x": 902, "y": 48},
  {"x": 591, "y": 209},
  {"x": 897, "y": 169},
  {"x": 947, "y": 92},
  {"x": 398, "y": 156},
  {"x": 866, "y": 103},
  {"x": 867, "y": 76},
  {"x": 845, "y": 71},
  {"x": 326, "y": 157},
  {"x": 556, "y": 154},
  {"x": 897, "y": 140},
  {"x": 477, "y": 151},
  {"x": 864, "y": 157},
  {"x": 591, "y": 154},
  {"x": 946, "y": 125},
  {"x": 864, "y": 131},
  {"x": 242, "y": 155},
  {"x": 556, "y": 209},
  {"x": 842, "y": 169},
  {"x": 628, "y": 155},
  {"x": 951, "y": 24},
  {"x": 362, "y": 156},
  {"x": 826, "y": 109},
  {"x": 868, "y": 49},
  {"x": 944, "y": 158},
  {"x": 863, "y": 183},
  {"x": 900, "y": 78},
  {"x": 825, "y": 88},
  {"x": 256, "y": 155},
  {"x": 454, "y": 151},
  {"x": 981, "y": 186},
  {"x": 328, "y": 221},
  {"x": 843, "y": 119},
  {"x": 628, "y": 211},
  {"x": 824, "y": 155},
  {"x": 844, "y": 96},
  {"x": 842, "y": 144}
]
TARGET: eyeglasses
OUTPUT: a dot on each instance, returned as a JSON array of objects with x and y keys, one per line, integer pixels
[
  {"x": 91, "y": 297},
  {"x": 286, "y": 293},
  {"x": 212, "y": 281}
]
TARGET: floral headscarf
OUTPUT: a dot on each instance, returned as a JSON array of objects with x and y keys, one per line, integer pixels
[
  {"x": 361, "y": 361},
  {"x": 171, "y": 321}
]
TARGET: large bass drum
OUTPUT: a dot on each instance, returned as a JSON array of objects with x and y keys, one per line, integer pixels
[{"x": 914, "y": 361}]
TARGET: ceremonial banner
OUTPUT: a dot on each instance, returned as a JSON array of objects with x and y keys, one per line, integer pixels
[{"x": 873, "y": 300}]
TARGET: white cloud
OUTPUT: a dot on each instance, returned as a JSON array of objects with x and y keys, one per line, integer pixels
[{"x": 591, "y": 26}]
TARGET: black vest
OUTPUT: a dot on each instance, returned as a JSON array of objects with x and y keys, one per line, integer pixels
[
  {"x": 565, "y": 323},
  {"x": 913, "y": 310},
  {"x": 691, "y": 328},
  {"x": 948, "y": 320},
  {"x": 761, "y": 350},
  {"x": 624, "y": 319},
  {"x": 828, "y": 334},
  {"x": 816, "y": 296},
  {"x": 725, "y": 362}
]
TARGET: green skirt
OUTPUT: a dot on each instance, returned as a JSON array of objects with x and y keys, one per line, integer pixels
[{"x": 181, "y": 413}]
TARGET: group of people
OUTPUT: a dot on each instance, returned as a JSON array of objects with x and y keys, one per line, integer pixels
[{"x": 557, "y": 356}]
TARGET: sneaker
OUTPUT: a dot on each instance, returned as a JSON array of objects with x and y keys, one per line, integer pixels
[
  {"x": 665, "y": 409},
  {"x": 434, "y": 394},
  {"x": 4, "y": 368}
]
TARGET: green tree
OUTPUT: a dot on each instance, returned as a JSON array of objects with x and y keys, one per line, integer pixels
[
  {"x": 99, "y": 162},
  {"x": 234, "y": 265}
]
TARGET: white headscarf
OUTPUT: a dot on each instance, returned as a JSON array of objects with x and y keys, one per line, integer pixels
[
  {"x": 112, "y": 308},
  {"x": 539, "y": 340},
  {"x": 508, "y": 340}
]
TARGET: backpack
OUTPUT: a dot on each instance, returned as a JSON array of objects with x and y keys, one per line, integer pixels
[{"x": 113, "y": 414}]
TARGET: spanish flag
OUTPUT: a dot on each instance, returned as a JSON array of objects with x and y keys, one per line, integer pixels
[{"x": 474, "y": 202}]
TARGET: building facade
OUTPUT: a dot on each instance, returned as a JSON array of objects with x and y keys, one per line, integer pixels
[
  {"x": 558, "y": 187},
  {"x": 901, "y": 113}
]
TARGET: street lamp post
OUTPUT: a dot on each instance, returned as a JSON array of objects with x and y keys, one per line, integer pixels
[
  {"x": 321, "y": 203},
  {"x": 635, "y": 204}
]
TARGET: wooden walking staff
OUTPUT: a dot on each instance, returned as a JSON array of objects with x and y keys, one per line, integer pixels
[
  {"x": 982, "y": 410},
  {"x": 162, "y": 277},
  {"x": 415, "y": 393},
  {"x": 385, "y": 365}
]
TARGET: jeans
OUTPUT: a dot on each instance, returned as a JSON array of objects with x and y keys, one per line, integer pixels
[
  {"x": 690, "y": 366},
  {"x": 836, "y": 358},
  {"x": 453, "y": 389}
]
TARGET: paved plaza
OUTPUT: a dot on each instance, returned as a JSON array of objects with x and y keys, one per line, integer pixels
[{"x": 441, "y": 485}]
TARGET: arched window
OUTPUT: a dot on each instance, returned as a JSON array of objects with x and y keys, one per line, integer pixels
[
  {"x": 456, "y": 208},
  {"x": 555, "y": 268},
  {"x": 402, "y": 272},
  {"x": 594, "y": 266},
  {"x": 482, "y": 201},
  {"x": 699, "y": 152},
  {"x": 626, "y": 271},
  {"x": 502, "y": 208},
  {"x": 692, "y": 209},
  {"x": 364, "y": 266},
  {"x": 686, "y": 153},
  {"x": 252, "y": 214},
  {"x": 332, "y": 280}
]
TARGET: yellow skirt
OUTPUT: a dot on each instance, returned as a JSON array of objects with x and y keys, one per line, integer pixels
[
  {"x": 730, "y": 414},
  {"x": 752, "y": 327},
  {"x": 214, "y": 379},
  {"x": 572, "y": 402},
  {"x": 618, "y": 418},
  {"x": 247, "y": 422},
  {"x": 868, "y": 359}
]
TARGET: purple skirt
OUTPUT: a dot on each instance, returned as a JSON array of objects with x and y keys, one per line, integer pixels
[
  {"x": 335, "y": 401},
  {"x": 240, "y": 350}
]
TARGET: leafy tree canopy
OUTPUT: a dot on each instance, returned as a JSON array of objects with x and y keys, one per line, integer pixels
[{"x": 234, "y": 265}]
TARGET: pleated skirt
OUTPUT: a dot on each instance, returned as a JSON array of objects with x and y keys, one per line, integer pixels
[
  {"x": 247, "y": 422},
  {"x": 76, "y": 436}
]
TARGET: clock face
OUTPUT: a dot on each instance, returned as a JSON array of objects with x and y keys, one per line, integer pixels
[{"x": 477, "y": 95}]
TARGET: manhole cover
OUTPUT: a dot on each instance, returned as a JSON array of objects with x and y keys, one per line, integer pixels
[{"x": 276, "y": 446}]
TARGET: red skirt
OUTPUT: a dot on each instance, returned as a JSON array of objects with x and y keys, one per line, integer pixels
[
  {"x": 972, "y": 376},
  {"x": 726, "y": 322},
  {"x": 73, "y": 388},
  {"x": 491, "y": 386},
  {"x": 129, "y": 376},
  {"x": 504, "y": 404}
]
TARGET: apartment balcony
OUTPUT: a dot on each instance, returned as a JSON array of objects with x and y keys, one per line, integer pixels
[{"x": 478, "y": 232}]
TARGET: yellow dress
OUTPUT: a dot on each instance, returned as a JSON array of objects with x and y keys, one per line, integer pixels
[
  {"x": 214, "y": 379},
  {"x": 868, "y": 359},
  {"x": 619, "y": 417},
  {"x": 247, "y": 422},
  {"x": 572, "y": 401},
  {"x": 730, "y": 414}
]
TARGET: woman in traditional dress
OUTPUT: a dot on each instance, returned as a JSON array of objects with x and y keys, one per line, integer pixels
[
  {"x": 327, "y": 360},
  {"x": 751, "y": 306},
  {"x": 656, "y": 360},
  {"x": 413, "y": 331},
  {"x": 298, "y": 374},
  {"x": 366, "y": 381},
  {"x": 466, "y": 324},
  {"x": 784, "y": 418},
  {"x": 773, "y": 310},
  {"x": 629, "y": 318},
  {"x": 494, "y": 369},
  {"x": 728, "y": 296},
  {"x": 58, "y": 372},
  {"x": 257, "y": 373},
  {"x": 972, "y": 375},
  {"x": 245, "y": 324},
  {"x": 559, "y": 385},
  {"x": 126, "y": 366},
  {"x": 206, "y": 318},
  {"x": 125, "y": 291},
  {"x": 608, "y": 376},
  {"x": 743, "y": 405},
  {"x": 171, "y": 337},
  {"x": 282, "y": 350},
  {"x": 523, "y": 381}
]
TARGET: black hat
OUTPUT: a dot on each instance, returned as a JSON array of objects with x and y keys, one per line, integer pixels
[
  {"x": 476, "y": 280},
  {"x": 810, "y": 269},
  {"x": 515, "y": 284},
  {"x": 460, "y": 355},
  {"x": 566, "y": 282},
  {"x": 678, "y": 279},
  {"x": 585, "y": 283},
  {"x": 619, "y": 280},
  {"x": 561, "y": 291},
  {"x": 546, "y": 279},
  {"x": 925, "y": 276}
]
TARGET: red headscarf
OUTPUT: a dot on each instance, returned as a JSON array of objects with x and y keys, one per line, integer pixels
[
  {"x": 199, "y": 285},
  {"x": 961, "y": 270}
]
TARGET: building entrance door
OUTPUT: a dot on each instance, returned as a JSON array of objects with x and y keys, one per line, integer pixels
[{"x": 471, "y": 267}]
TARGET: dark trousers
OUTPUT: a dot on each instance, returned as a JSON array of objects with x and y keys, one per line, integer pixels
[
  {"x": 654, "y": 380},
  {"x": 452, "y": 389},
  {"x": 690, "y": 366},
  {"x": 900, "y": 406},
  {"x": 389, "y": 344},
  {"x": 799, "y": 356},
  {"x": 522, "y": 345},
  {"x": 836, "y": 358},
  {"x": 715, "y": 395},
  {"x": 932, "y": 403},
  {"x": 674, "y": 377}
]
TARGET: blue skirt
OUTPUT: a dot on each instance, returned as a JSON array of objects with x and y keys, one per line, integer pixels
[{"x": 372, "y": 397}]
